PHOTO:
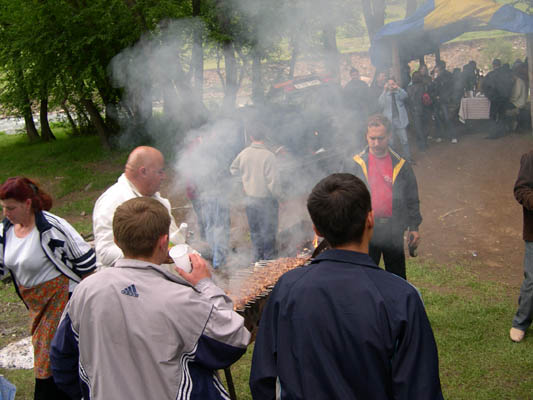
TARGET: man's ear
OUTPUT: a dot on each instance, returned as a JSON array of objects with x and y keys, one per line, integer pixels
[
  {"x": 317, "y": 232},
  {"x": 370, "y": 220},
  {"x": 163, "y": 242}
]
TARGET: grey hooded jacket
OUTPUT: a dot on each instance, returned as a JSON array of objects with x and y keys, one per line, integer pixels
[{"x": 137, "y": 331}]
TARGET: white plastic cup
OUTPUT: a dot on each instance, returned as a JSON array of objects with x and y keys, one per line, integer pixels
[{"x": 180, "y": 255}]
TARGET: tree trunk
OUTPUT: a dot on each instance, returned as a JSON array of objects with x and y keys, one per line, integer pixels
[
  {"x": 331, "y": 52},
  {"x": 258, "y": 93},
  {"x": 529, "y": 41},
  {"x": 231, "y": 87},
  {"x": 410, "y": 7},
  {"x": 98, "y": 122},
  {"x": 396, "y": 66},
  {"x": 294, "y": 56},
  {"x": 437, "y": 55},
  {"x": 31, "y": 130},
  {"x": 197, "y": 56},
  {"x": 46, "y": 132},
  {"x": 374, "y": 13},
  {"x": 73, "y": 125}
]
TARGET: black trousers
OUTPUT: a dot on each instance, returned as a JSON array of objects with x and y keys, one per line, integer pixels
[
  {"x": 46, "y": 389},
  {"x": 387, "y": 240}
]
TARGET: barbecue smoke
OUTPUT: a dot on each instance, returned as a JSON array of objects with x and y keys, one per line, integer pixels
[{"x": 311, "y": 134}]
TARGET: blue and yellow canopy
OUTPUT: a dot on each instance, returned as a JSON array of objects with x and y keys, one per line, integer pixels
[{"x": 438, "y": 21}]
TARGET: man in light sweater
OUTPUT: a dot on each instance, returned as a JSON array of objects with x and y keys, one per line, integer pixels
[
  {"x": 257, "y": 168},
  {"x": 142, "y": 177}
]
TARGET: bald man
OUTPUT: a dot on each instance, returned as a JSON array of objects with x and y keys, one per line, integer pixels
[{"x": 142, "y": 177}]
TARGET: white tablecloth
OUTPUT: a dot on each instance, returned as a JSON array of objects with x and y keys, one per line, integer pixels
[{"x": 474, "y": 108}]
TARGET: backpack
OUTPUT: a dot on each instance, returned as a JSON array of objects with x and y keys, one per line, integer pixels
[{"x": 426, "y": 99}]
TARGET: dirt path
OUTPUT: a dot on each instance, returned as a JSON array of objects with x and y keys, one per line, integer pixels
[{"x": 470, "y": 214}]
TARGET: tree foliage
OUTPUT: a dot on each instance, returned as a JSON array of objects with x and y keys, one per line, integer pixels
[{"x": 57, "y": 53}]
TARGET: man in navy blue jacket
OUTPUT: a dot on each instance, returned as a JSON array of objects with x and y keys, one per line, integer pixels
[{"x": 342, "y": 328}]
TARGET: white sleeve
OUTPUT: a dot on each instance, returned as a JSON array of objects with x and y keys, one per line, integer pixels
[{"x": 107, "y": 252}]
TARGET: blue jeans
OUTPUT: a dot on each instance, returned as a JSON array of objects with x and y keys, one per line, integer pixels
[
  {"x": 444, "y": 124},
  {"x": 524, "y": 314},
  {"x": 216, "y": 217},
  {"x": 262, "y": 216}
]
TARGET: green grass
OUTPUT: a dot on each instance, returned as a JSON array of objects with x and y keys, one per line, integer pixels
[
  {"x": 471, "y": 320},
  {"x": 70, "y": 161},
  {"x": 74, "y": 170}
]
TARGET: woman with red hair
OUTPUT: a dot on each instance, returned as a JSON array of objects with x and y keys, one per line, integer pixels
[{"x": 46, "y": 258}]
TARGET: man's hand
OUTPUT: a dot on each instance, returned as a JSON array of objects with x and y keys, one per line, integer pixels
[
  {"x": 200, "y": 270},
  {"x": 414, "y": 239}
]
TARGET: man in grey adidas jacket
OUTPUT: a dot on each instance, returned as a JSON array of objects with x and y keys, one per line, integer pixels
[{"x": 137, "y": 331}]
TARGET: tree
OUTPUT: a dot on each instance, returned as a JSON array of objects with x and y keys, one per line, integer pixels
[{"x": 374, "y": 13}]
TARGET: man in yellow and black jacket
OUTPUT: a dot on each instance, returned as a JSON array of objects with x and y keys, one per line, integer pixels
[{"x": 392, "y": 184}]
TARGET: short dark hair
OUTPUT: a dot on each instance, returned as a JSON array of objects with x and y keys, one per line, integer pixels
[
  {"x": 257, "y": 130},
  {"x": 496, "y": 62},
  {"x": 138, "y": 224},
  {"x": 379, "y": 120},
  {"x": 339, "y": 205}
]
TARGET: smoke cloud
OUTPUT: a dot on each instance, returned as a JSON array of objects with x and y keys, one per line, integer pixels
[{"x": 309, "y": 127}]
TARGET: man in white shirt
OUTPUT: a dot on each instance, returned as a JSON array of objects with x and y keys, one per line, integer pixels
[{"x": 142, "y": 177}]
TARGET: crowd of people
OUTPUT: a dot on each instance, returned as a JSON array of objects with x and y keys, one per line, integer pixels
[
  {"x": 116, "y": 322},
  {"x": 428, "y": 102},
  {"x": 133, "y": 328}
]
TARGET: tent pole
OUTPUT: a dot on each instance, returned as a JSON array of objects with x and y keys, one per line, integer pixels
[
  {"x": 529, "y": 41},
  {"x": 396, "y": 67}
]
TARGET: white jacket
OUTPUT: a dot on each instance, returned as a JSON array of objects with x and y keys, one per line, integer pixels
[{"x": 107, "y": 252}]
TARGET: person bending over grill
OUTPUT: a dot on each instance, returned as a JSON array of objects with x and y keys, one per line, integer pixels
[
  {"x": 342, "y": 328},
  {"x": 137, "y": 331},
  {"x": 395, "y": 202}
]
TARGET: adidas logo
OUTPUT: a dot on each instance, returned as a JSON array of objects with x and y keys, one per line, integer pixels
[{"x": 131, "y": 290}]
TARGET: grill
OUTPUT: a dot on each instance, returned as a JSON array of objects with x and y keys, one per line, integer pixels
[{"x": 249, "y": 289}]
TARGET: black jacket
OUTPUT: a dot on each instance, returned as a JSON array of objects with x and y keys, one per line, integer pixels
[
  {"x": 405, "y": 202},
  {"x": 342, "y": 328},
  {"x": 523, "y": 193}
]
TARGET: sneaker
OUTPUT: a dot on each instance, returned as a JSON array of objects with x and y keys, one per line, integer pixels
[
  {"x": 454, "y": 140},
  {"x": 516, "y": 335}
]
